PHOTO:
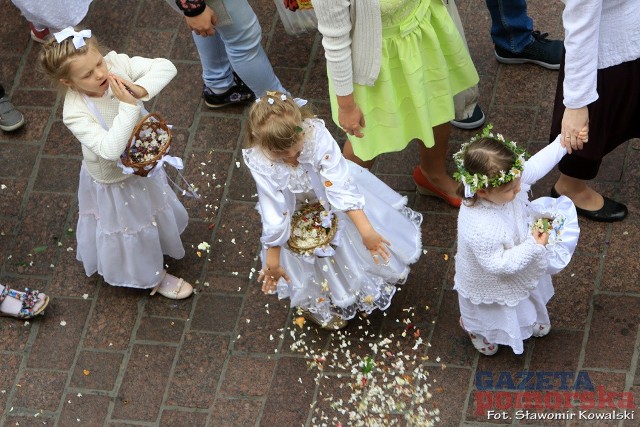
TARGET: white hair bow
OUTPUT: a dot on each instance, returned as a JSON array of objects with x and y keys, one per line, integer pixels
[
  {"x": 78, "y": 37},
  {"x": 468, "y": 192}
]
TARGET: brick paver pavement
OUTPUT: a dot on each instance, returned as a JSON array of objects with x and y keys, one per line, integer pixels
[{"x": 118, "y": 357}]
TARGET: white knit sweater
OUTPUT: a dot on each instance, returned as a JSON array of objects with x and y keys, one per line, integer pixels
[
  {"x": 352, "y": 39},
  {"x": 598, "y": 34},
  {"x": 101, "y": 148},
  {"x": 498, "y": 260}
]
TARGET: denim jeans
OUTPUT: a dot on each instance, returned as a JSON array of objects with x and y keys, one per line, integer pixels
[
  {"x": 511, "y": 28},
  {"x": 237, "y": 47}
]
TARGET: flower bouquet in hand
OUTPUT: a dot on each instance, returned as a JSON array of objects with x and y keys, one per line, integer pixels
[
  {"x": 312, "y": 230},
  {"x": 557, "y": 217},
  {"x": 149, "y": 142}
]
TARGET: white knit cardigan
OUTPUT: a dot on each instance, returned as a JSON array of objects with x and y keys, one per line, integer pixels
[
  {"x": 498, "y": 260},
  {"x": 352, "y": 39},
  {"x": 102, "y": 148}
]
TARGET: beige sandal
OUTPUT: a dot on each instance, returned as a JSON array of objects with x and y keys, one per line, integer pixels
[
  {"x": 173, "y": 287},
  {"x": 32, "y": 303},
  {"x": 334, "y": 324}
]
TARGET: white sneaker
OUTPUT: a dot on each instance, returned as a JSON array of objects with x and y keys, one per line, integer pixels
[{"x": 541, "y": 329}]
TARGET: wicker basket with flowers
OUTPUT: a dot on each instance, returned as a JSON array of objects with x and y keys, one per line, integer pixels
[
  {"x": 149, "y": 141},
  {"x": 307, "y": 230}
]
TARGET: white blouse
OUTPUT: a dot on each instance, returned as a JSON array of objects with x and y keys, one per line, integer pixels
[
  {"x": 598, "y": 34},
  {"x": 281, "y": 186}
]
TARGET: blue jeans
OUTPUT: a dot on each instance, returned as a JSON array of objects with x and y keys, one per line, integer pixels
[
  {"x": 511, "y": 28},
  {"x": 237, "y": 47}
]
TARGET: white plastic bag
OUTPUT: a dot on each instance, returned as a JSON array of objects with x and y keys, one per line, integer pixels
[{"x": 298, "y": 16}]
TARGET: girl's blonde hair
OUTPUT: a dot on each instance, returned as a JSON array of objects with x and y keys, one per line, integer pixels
[
  {"x": 275, "y": 122},
  {"x": 486, "y": 156},
  {"x": 54, "y": 59}
]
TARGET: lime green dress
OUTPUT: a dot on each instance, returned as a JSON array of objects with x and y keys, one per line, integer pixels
[{"x": 424, "y": 64}]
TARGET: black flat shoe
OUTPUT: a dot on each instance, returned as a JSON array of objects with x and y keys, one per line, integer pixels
[{"x": 611, "y": 211}]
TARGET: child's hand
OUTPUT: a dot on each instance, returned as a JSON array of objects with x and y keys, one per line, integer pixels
[
  {"x": 377, "y": 245},
  {"x": 135, "y": 90},
  {"x": 541, "y": 237},
  {"x": 120, "y": 91},
  {"x": 584, "y": 134},
  {"x": 269, "y": 277}
]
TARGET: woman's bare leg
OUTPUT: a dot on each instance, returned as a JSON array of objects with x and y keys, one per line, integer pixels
[
  {"x": 348, "y": 153},
  {"x": 579, "y": 192},
  {"x": 433, "y": 161}
]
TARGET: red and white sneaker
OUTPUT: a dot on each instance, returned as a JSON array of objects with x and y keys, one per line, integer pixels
[
  {"x": 39, "y": 36},
  {"x": 480, "y": 343}
]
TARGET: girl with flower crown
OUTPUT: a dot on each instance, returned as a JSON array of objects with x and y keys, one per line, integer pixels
[
  {"x": 126, "y": 223},
  {"x": 371, "y": 236},
  {"x": 505, "y": 259}
]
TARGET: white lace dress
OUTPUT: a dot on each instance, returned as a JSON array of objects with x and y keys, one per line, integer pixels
[{"x": 347, "y": 281}]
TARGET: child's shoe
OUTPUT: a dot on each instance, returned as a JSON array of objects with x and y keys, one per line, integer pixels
[
  {"x": 22, "y": 305},
  {"x": 10, "y": 118},
  {"x": 541, "y": 329},
  {"x": 334, "y": 324},
  {"x": 173, "y": 287},
  {"x": 480, "y": 343},
  {"x": 39, "y": 35}
]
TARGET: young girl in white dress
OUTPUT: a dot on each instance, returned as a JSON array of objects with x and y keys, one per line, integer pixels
[
  {"x": 126, "y": 222},
  {"x": 504, "y": 260},
  {"x": 295, "y": 161}
]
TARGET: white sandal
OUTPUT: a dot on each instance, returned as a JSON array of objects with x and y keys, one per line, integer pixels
[
  {"x": 173, "y": 287},
  {"x": 540, "y": 329}
]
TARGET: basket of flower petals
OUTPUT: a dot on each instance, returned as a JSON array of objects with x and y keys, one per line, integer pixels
[
  {"x": 309, "y": 231},
  {"x": 149, "y": 141}
]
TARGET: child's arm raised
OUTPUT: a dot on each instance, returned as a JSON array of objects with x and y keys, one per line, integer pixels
[
  {"x": 150, "y": 74},
  {"x": 373, "y": 241},
  {"x": 543, "y": 161}
]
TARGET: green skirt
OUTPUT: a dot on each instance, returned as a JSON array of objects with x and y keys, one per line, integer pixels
[{"x": 424, "y": 64}]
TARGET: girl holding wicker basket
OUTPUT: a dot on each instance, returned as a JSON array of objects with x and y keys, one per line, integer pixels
[
  {"x": 127, "y": 222},
  {"x": 335, "y": 239}
]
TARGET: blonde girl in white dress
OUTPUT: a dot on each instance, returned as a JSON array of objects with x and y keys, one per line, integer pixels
[
  {"x": 294, "y": 161},
  {"x": 126, "y": 223}
]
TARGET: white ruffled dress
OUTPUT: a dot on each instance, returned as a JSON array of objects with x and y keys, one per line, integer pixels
[
  {"x": 348, "y": 280},
  {"x": 503, "y": 277},
  {"x": 126, "y": 223},
  {"x": 125, "y": 228}
]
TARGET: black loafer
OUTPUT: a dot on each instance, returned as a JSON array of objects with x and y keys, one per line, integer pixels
[{"x": 611, "y": 211}]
